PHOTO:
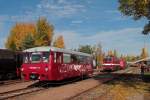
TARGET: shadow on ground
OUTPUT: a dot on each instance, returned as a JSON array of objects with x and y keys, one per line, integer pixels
[{"x": 135, "y": 81}]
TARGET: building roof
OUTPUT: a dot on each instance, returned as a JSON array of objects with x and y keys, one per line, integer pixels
[{"x": 48, "y": 49}]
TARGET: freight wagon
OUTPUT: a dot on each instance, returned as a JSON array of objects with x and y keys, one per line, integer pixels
[{"x": 9, "y": 64}]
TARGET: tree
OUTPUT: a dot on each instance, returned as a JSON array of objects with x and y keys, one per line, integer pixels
[
  {"x": 115, "y": 53},
  {"x": 17, "y": 34},
  {"x": 137, "y": 9},
  {"x": 28, "y": 42},
  {"x": 144, "y": 53},
  {"x": 59, "y": 42},
  {"x": 110, "y": 53},
  {"x": 25, "y": 35},
  {"x": 99, "y": 54},
  {"x": 44, "y": 33},
  {"x": 85, "y": 49}
]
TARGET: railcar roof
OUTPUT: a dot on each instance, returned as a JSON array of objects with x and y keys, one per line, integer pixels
[{"x": 47, "y": 49}]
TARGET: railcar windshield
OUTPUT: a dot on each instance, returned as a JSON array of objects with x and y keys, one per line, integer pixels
[
  {"x": 36, "y": 57},
  {"x": 108, "y": 59}
]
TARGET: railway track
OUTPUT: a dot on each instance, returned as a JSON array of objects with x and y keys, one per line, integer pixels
[
  {"x": 10, "y": 82},
  {"x": 14, "y": 93}
]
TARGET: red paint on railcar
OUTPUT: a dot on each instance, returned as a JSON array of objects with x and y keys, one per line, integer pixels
[
  {"x": 52, "y": 64},
  {"x": 113, "y": 63}
]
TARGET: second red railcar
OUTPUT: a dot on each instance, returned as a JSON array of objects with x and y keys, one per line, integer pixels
[{"x": 113, "y": 63}]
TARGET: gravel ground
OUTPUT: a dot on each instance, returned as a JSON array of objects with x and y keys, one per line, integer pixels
[{"x": 125, "y": 88}]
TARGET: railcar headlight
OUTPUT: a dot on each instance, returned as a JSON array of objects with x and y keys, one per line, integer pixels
[
  {"x": 46, "y": 69},
  {"x": 22, "y": 69}
]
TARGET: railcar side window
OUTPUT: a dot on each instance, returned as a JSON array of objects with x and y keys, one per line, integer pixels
[
  {"x": 58, "y": 58},
  {"x": 74, "y": 59},
  {"x": 88, "y": 60},
  {"x": 26, "y": 58},
  {"x": 81, "y": 59},
  {"x": 55, "y": 57},
  {"x": 66, "y": 58},
  {"x": 45, "y": 56}
]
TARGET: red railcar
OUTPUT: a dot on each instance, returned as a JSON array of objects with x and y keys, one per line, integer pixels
[
  {"x": 54, "y": 64},
  {"x": 113, "y": 63}
]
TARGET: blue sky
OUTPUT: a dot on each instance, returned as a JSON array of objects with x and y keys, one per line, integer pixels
[{"x": 79, "y": 21}]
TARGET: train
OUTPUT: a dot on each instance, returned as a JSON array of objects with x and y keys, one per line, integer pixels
[
  {"x": 112, "y": 63},
  {"x": 54, "y": 64},
  {"x": 10, "y": 63}
]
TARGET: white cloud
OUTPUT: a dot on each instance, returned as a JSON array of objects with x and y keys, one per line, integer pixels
[
  {"x": 126, "y": 41},
  {"x": 60, "y": 8}
]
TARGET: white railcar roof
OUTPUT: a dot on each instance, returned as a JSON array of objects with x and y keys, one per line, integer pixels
[{"x": 48, "y": 48}]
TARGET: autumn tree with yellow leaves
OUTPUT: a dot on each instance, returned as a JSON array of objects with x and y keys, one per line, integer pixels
[
  {"x": 44, "y": 33},
  {"x": 26, "y": 35},
  {"x": 110, "y": 53},
  {"x": 144, "y": 53},
  {"x": 59, "y": 42},
  {"x": 18, "y": 33}
]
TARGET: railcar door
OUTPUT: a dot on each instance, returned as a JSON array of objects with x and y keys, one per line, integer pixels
[{"x": 57, "y": 65}]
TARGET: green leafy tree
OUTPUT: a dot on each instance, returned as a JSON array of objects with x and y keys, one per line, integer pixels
[
  {"x": 28, "y": 42},
  {"x": 137, "y": 9},
  {"x": 85, "y": 49}
]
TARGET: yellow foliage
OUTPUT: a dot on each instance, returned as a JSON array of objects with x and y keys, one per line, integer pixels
[
  {"x": 144, "y": 53},
  {"x": 110, "y": 53},
  {"x": 18, "y": 33},
  {"x": 59, "y": 42},
  {"x": 41, "y": 34},
  {"x": 44, "y": 33}
]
